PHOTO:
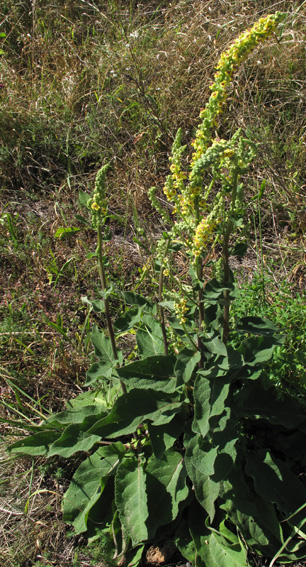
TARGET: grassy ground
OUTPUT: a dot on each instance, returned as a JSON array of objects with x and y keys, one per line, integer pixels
[{"x": 83, "y": 83}]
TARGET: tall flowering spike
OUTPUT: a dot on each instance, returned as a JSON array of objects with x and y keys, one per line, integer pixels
[
  {"x": 202, "y": 236},
  {"x": 227, "y": 66},
  {"x": 175, "y": 181},
  {"x": 98, "y": 203}
]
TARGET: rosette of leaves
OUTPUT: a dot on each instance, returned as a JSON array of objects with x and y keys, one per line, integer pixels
[{"x": 207, "y": 457}]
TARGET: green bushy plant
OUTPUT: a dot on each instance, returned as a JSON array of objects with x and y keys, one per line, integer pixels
[
  {"x": 186, "y": 442},
  {"x": 287, "y": 311}
]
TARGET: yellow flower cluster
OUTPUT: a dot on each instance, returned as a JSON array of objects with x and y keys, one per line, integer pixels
[
  {"x": 228, "y": 64},
  {"x": 175, "y": 181},
  {"x": 98, "y": 202},
  {"x": 202, "y": 235},
  {"x": 181, "y": 309},
  {"x": 214, "y": 162}
]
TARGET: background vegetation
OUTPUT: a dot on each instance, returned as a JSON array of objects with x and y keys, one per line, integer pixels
[{"x": 87, "y": 82}]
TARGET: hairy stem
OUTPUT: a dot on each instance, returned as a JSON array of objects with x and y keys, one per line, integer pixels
[
  {"x": 225, "y": 257},
  {"x": 161, "y": 309},
  {"x": 106, "y": 301}
]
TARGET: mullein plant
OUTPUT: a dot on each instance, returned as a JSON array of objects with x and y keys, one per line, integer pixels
[
  {"x": 191, "y": 445},
  {"x": 207, "y": 200}
]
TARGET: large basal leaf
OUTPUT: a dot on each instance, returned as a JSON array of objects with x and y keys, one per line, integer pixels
[
  {"x": 72, "y": 440},
  {"x": 34, "y": 445},
  {"x": 210, "y": 394},
  {"x": 156, "y": 372},
  {"x": 184, "y": 541},
  {"x": 256, "y": 518},
  {"x": 131, "y": 499},
  {"x": 135, "y": 408},
  {"x": 275, "y": 482},
  {"x": 83, "y": 415},
  {"x": 218, "y": 546},
  {"x": 149, "y": 337},
  {"x": 166, "y": 488},
  {"x": 88, "y": 483},
  {"x": 215, "y": 346},
  {"x": 218, "y": 551},
  {"x": 200, "y": 463}
]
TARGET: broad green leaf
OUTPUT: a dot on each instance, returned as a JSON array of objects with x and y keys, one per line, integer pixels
[
  {"x": 168, "y": 305},
  {"x": 215, "y": 346},
  {"x": 164, "y": 436},
  {"x": 103, "y": 350},
  {"x": 166, "y": 489},
  {"x": 221, "y": 552},
  {"x": 197, "y": 520},
  {"x": 210, "y": 394},
  {"x": 72, "y": 440},
  {"x": 256, "y": 518},
  {"x": 276, "y": 483},
  {"x": 94, "y": 398},
  {"x": 186, "y": 362},
  {"x": 88, "y": 483},
  {"x": 167, "y": 409},
  {"x": 98, "y": 305},
  {"x": 185, "y": 542},
  {"x": 80, "y": 414},
  {"x": 200, "y": 463},
  {"x": 37, "y": 444},
  {"x": 214, "y": 289},
  {"x": 129, "y": 320},
  {"x": 131, "y": 499},
  {"x": 259, "y": 349},
  {"x": 131, "y": 298},
  {"x": 83, "y": 198},
  {"x": 256, "y": 402},
  {"x": 156, "y": 372},
  {"x": 135, "y": 408},
  {"x": 103, "y": 346},
  {"x": 256, "y": 326},
  {"x": 98, "y": 371},
  {"x": 62, "y": 232},
  {"x": 149, "y": 337},
  {"x": 217, "y": 546},
  {"x": 134, "y": 556}
]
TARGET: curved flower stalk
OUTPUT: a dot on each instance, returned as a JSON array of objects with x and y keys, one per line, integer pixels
[
  {"x": 228, "y": 64},
  {"x": 196, "y": 214},
  {"x": 98, "y": 207},
  {"x": 206, "y": 195}
]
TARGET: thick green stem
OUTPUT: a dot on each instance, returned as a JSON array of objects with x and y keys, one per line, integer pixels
[
  {"x": 225, "y": 257},
  {"x": 106, "y": 302},
  {"x": 199, "y": 271},
  {"x": 161, "y": 310},
  {"x": 226, "y": 310},
  {"x": 201, "y": 311}
]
